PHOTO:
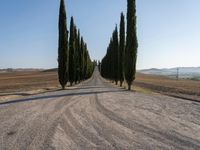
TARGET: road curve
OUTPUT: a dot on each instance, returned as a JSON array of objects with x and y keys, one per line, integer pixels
[{"x": 96, "y": 115}]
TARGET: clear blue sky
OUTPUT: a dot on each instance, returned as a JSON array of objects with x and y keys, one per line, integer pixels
[{"x": 168, "y": 31}]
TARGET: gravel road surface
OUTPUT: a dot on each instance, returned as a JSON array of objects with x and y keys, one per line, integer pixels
[{"x": 96, "y": 115}]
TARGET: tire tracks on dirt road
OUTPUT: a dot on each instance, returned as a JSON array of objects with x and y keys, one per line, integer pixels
[{"x": 97, "y": 115}]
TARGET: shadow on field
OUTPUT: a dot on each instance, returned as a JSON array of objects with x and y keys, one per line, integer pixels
[
  {"x": 18, "y": 94},
  {"x": 58, "y": 96}
]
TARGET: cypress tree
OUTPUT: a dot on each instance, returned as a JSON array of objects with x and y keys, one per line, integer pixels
[
  {"x": 110, "y": 69},
  {"x": 111, "y": 59},
  {"x": 71, "y": 52},
  {"x": 107, "y": 67},
  {"x": 87, "y": 66},
  {"x": 116, "y": 55},
  {"x": 99, "y": 66},
  {"x": 79, "y": 57},
  {"x": 82, "y": 58},
  {"x": 75, "y": 55},
  {"x": 85, "y": 53},
  {"x": 90, "y": 67},
  {"x": 62, "y": 47},
  {"x": 131, "y": 44},
  {"x": 121, "y": 49}
]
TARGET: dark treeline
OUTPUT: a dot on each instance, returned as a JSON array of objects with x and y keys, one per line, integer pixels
[
  {"x": 119, "y": 63},
  {"x": 74, "y": 62},
  {"x": 110, "y": 63}
]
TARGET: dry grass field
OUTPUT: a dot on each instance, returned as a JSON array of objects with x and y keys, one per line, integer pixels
[
  {"x": 25, "y": 83},
  {"x": 16, "y": 84},
  {"x": 182, "y": 88}
]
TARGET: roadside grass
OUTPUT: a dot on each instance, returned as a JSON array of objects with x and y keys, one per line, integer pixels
[
  {"x": 134, "y": 88},
  {"x": 143, "y": 90},
  {"x": 154, "y": 84}
]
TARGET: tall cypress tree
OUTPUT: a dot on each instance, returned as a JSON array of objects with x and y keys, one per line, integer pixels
[
  {"x": 116, "y": 55},
  {"x": 121, "y": 49},
  {"x": 85, "y": 53},
  {"x": 111, "y": 58},
  {"x": 79, "y": 57},
  {"x": 82, "y": 59},
  {"x": 62, "y": 47},
  {"x": 131, "y": 44},
  {"x": 71, "y": 52},
  {"x": 75, "y": 55}
]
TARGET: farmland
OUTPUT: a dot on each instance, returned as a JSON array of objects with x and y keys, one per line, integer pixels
[
  {"x": 183, "y": 88},
  {"x": 24, "y": 83}
]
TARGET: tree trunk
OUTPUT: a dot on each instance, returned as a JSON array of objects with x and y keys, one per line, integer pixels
[
  {"x": 129, "y": 86},
  {"x": 121, "y": 83}
]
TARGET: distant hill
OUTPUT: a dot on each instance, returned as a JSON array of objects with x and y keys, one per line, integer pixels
[
  {"x": 7, "y": 70},
  {"x": 184, "y": 72},
  {"x": 51, "y": 70}
]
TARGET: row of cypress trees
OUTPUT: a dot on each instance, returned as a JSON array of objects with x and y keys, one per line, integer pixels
[
  {"x": 120, "y": 60},
  {"x": 74, "y": 62}
]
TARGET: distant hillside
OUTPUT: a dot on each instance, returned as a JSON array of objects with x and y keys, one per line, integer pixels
[
  {"x": 184, "y": 72},
  {"x": 7, "y": 70},
  {"x": 18, "y": 70},
  {"x": 51, "y": 70}
]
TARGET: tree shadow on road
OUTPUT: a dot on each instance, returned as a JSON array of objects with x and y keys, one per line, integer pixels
[
  {"x": 51, "y": 96},
  {"x": 89, "y": 87}
]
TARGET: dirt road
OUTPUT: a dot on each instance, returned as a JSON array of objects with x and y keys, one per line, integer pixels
[{"x": 96, "y": 115}]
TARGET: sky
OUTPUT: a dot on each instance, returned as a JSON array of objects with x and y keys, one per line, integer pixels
[{"x": 168, "y": 31}]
